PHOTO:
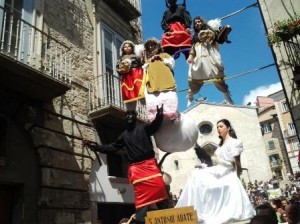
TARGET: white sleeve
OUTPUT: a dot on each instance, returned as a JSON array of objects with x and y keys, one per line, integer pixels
[
  {"x": 236, "y": 148},
  {"x": 170, "y": 62},
  {"x": 145, "y": 66}
]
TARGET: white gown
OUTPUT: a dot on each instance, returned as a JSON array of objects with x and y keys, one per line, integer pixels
[{"x": 216, "y": 192}]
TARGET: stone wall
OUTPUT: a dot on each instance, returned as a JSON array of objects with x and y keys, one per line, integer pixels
[{"x": 65, "y": 164}]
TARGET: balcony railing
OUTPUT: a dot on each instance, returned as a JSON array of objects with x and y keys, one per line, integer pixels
[
  {"x": 105, "y": 97},
  {"x": 275, "y": 163},
  {"x": 26, "y": 45},
  {"x": 292, "y": 48}
]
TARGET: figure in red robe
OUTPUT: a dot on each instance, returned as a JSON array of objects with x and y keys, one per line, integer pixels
[{"x": 176, "y": 23}]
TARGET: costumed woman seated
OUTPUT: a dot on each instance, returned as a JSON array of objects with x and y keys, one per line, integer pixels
[
  {"x": 205, "y": 59},
  {"x": 176, "y": 23},
  {"x": 216, "y": 192},
  {"x": 129, "y": 67},
  {"x": 143, "y": 171}
]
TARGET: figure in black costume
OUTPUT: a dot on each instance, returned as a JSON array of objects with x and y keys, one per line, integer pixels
[
  {"x": 143, "y": 171},
  {"x": 176, "y": 23}
]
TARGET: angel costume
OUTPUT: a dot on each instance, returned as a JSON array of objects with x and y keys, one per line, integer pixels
[
  {"x": 216, "y": 192},
  {"x": 207, "y": 63}
]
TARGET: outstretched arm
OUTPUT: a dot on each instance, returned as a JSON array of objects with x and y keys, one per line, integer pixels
[{"x": 106, "y": 149}]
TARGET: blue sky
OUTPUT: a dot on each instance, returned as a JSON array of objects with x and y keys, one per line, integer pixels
[{"x": 249, "y": 49}]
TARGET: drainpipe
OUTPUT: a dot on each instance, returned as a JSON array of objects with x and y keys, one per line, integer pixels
[{"x": 96, "y": 49}]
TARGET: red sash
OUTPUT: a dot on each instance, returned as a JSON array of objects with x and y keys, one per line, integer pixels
[
  {"x": 178, "y": 38},
  {"x": 147, "y": 181}
]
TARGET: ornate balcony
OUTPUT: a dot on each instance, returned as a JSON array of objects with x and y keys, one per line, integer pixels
[
  {"x": 105, "y": 102},
  {"x": 128, "y": 9},
  {"x": 32, "y": 63},
  {"x": 276, "y": 164}
]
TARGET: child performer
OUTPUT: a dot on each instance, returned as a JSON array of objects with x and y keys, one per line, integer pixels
[{"x": 129, "y": 66}]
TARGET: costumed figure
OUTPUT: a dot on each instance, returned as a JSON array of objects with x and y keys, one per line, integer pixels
[
  {"x": 143, "y": 171},
  {"x": 176, "y": 23},
  {"x": 129, "y": 67},
  {"x": 205, "y": 59},
  {"x": 159, "y": 82},
  {"x": 178, "y": 132},
  {"x": 216, "y": 192}
]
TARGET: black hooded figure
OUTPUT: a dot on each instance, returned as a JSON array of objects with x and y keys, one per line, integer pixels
[{"x": 176, "y": 23}]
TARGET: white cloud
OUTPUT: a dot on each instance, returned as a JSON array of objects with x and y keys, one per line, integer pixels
[{"x": 261, "y": 91}]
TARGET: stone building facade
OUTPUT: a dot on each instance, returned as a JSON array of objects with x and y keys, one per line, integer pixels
[
  {"x": 244, "y": 120},
  {"x": 273, "y": 138},
  {"x": 55, "y": 59},
  {"x": 286, "y": 53},
  {"x": 288, "y": 129}
]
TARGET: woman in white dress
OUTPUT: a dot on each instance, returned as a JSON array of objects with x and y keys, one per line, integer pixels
[{"x": 216, "y": 192}]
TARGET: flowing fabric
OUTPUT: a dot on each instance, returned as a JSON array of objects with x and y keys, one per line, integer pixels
[
  {"x": 147, "y": 182},
  {"x": 178, "y": 38},
  {"x": 207, "y": 63},
  {"x": 216, "y": 192},
  {"x": 131, "y": 84},
  {"x": 168, "y": 99}
]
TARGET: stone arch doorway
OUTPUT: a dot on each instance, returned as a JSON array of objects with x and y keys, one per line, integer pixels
[{"x": 20, "y": 178}]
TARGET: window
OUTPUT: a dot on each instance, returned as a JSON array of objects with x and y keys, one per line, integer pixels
[
  {"x": 295, "y": 144},
  {"x": 284, "y": 107},
  {"x": 111, "y": 43},
  {"x": 111, "y": 46},
  {"x": 274, "y": 160},
  {"x": 271, "y": 145},
  {"x": 16, "y": 32},
  {"x": 267, "y": 127},
  {"x": 291, "y": 129},
  {"x": 205, "y": 129}
]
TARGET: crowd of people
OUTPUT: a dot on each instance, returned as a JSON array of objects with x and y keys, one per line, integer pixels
[
  {"x": 283, "y": 207},
  {"x": 259, "y": 191}
]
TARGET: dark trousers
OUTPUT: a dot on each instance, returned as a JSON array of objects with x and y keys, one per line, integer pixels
[{"x": 142, "y": 212}]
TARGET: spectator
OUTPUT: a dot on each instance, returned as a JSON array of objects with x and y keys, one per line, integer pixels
[
  {"x": 265, "y": 209},
  {"x": 260, "y": 219},
  {"x": 293, "y": 210}
]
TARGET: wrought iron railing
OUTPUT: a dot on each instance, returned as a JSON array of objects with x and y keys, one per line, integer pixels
[
  {"x": 105, "y": 91},
  {"x": 292, "y": 47},
  {"x": 33, "y": 47}
]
